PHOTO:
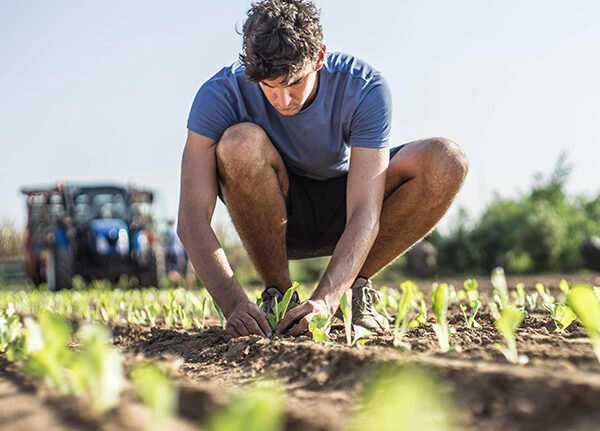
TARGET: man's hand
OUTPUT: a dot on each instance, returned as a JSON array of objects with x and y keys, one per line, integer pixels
[
  {"x": 298, "y": 318},
  {"x": 247, "y": 319}
]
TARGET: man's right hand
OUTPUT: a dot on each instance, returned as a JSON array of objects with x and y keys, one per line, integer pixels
[{"x": 247, "y": 319}]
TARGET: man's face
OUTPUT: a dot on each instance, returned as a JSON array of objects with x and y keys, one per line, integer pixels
[
  {"x": 290, "y": 98},
  {"x": 301, "y": 90}
]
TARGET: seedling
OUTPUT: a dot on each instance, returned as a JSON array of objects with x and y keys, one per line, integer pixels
[
  {"x": 386, "y": 299},
  {"x": 219, "y": 314},
  {"x": 439, "y": 300},
  {"x": 500, "y": 287},
  {"x": 471, "y": 288},
  {"x": 584, "y": 302},
  {"x": 564, "y": 287},
  {"x": 544, "y": 294},
  {"x": 279, "y": 310},
  {"x": 319, "y": 327},
  {"x": 157, "y": 392},
  {"x": 563, "y": 315},
  {"x": 259, "y": 407},
  {"x": 10, "y": 327},
  {"x": 519, "y": 295},
  {"x": 531, "y": 300},
  {"x": 507, "y": 325},
  {"x": 421, "y": 317},
  {"x": 474, "y": 302},
  {"x": 97, "y": 368},
  {"x": 346, "y": 308},
  {"x": 404, "y": 398},
  {"x": 46, "y": 344},
  {"x": 405, "y": 307},
  {"x": 470, "y": 321}
]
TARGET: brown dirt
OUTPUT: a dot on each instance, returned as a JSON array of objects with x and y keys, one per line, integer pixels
[{"x": 558, "y": 389}]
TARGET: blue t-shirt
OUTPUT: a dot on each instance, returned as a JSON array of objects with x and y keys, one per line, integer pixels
[{"x": 353, "y": 107}]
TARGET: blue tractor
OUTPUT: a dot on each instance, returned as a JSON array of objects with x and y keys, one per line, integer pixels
[{"x": 95, "y": 231}]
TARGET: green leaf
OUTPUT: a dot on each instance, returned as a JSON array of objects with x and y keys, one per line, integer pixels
[
  {"x": 360, "y": 333},
  {"x": 586, "y": 306},
  {"x": 256, "y": 408},
  {"x": 440, "y": 302},
  {"x": 498, "y": 280},
  {"x": 346, "y": 307},
  {"x": 563, "y": 317},
  {"x": 272, "y": 319},
  {"x": 286, "y": 300},
  {"x": 157, "y": 392},
  {"x": 97, "y": 368},
  {"x": 318, "y": 326},
  {"x": 509, "y": 321},
  {"x": 564, "y": 286}
]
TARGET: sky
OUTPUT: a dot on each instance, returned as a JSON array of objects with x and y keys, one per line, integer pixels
[{"x": 100, "y": 91}]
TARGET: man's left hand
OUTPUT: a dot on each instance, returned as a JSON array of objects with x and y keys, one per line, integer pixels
[{"x": 297, "y": 319}]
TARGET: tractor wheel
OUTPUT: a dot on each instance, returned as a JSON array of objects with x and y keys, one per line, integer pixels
[
  {"x": 59, "y": 268},
  {"x": 148, "y": 276}
]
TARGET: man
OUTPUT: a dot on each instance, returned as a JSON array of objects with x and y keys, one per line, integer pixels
[{"x": 295, "y": 142}]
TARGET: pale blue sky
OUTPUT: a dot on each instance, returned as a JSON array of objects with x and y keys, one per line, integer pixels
[{"x": 94, "y": 90}]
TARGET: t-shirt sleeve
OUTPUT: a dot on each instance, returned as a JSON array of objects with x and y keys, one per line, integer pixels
[
  {"x": 214, "y": 108},
  {"x": 372, "y": 120}
]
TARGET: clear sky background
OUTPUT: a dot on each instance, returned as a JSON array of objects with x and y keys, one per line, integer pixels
[{"x": 101, "y": 90}]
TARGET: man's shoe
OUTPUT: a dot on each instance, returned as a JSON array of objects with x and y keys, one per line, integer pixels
[
  {"x": 363, "y": 310},
  {"x": 270, "y": 294}
]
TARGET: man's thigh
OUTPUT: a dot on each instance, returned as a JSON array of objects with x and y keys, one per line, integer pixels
[{"x": 243, "y": 148}]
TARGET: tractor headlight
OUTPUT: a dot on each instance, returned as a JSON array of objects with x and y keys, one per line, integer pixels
[
  {"x": 123, "y": 242},
  {"x": 102, "y": 246}
]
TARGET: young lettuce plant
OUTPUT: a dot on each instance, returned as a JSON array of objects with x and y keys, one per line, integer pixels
[
  {"x": 10, "y": 327},
  {"x": 439, "y": 300},
  {"x": 519, "y": 295},
  {"x": 156, "y": 390},
  {"x": 584, "y": 302},
  {"x": 500, "y": 287},
  {"x": 279, "y": 310},
  {"x": 507, "y": 325},
  {"x": 359, "y": 331},
  {"x": 563, "y": 315},
  {"x": 474, "y": 301},
  {"x": 97, "y": 368},
  {"x": 319, "y": 327},
  {"x": 531, "y": 300},
  {"x": 403, "y": 316},
  {"x": 219, "y": 314},
  {"x": 544, "y": 294}
]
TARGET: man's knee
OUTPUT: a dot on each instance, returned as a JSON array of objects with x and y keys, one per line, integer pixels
[
  {"x": 241, "y": 147},
  {"x": 446, "y": 169}
]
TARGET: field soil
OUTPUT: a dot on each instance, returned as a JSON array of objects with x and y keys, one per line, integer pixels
[{"x": 559, "y": 389}]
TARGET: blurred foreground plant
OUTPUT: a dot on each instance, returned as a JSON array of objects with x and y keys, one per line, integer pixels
[
  {"x": 584, "y": 302},
  {"x": 403, "y": 398}
]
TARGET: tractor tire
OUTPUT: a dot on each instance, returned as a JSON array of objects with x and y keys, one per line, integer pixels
[
  {"x": 148, "y": 276},
  {"x": 59, "y": 268}
]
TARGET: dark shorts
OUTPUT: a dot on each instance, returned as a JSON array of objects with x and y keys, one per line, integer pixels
[{"x": 316, "y": 214}]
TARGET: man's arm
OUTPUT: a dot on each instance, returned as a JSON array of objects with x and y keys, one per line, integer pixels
[
  {"x": 365, "y": 188},
  {"x": 196, "y": 207}
]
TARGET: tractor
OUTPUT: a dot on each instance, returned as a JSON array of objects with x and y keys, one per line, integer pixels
[{"x": 95, "y": 231}]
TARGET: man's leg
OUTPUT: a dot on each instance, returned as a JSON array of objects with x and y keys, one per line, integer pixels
[
  {"x": 421, "y": 182},
  {"x": 254, "y": 184}
]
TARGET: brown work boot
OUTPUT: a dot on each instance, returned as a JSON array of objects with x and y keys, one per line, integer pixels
[
  {"x": 271, "y": 293},
  {"x": 363, "y": 310}
]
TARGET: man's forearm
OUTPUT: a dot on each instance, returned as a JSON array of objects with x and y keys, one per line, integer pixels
[
  {"x": 348, "y": 257},
  {"x": 211, "y": 265}
]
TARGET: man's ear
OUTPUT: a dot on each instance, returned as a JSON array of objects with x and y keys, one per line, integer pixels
[{"x": 321, "y": 57}]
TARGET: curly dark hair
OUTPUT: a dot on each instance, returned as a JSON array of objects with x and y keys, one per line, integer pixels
[{"x": 280, "y": 38}]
